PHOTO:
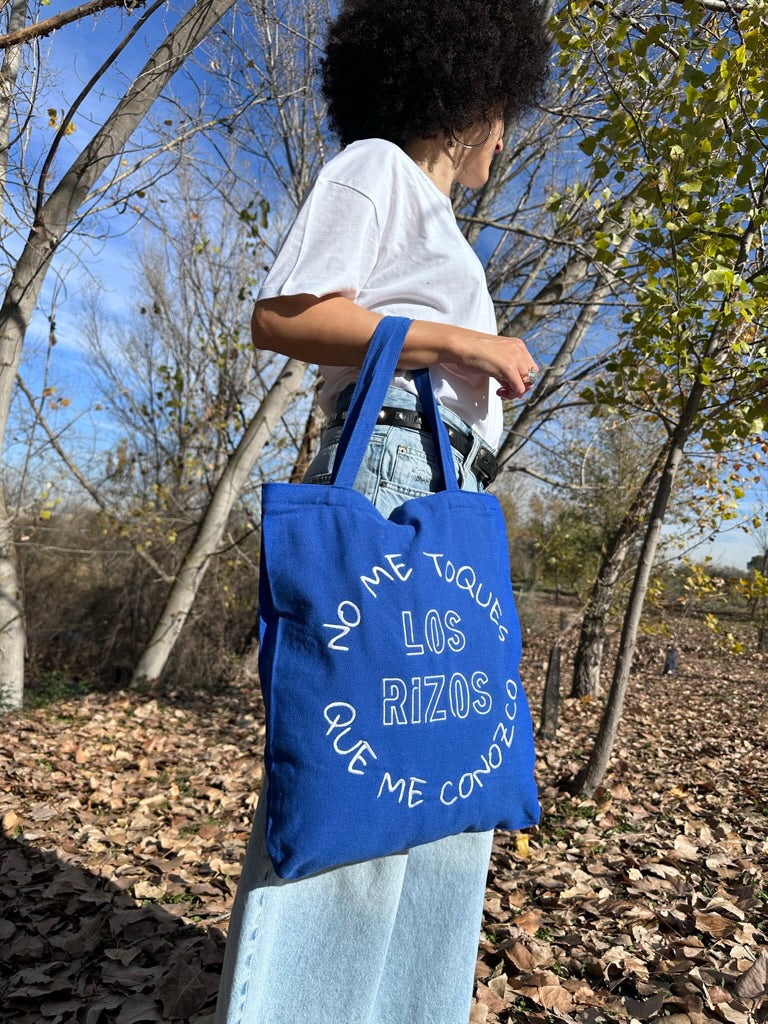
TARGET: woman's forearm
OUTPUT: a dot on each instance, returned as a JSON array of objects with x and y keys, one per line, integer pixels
[{"x": 334, "y": 331}]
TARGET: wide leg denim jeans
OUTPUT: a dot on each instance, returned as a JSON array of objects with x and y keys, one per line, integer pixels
[{"x": 387, "y": 941}]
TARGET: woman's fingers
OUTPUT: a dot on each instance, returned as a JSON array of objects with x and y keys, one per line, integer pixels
[
  {"x": 508, "y": 390},
  {"x": 516, "y": 380}
]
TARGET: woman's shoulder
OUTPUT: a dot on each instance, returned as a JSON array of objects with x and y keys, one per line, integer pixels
[{"x": 366, "y": 165}]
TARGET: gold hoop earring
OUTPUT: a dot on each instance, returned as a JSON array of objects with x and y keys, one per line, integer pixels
[{"x": 471, "y": 145}]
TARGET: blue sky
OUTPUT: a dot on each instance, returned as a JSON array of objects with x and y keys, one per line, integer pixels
[{"x": 733, "y": 547}]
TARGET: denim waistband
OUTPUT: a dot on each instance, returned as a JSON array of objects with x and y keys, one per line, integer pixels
[{"x": 399, "y": 398}]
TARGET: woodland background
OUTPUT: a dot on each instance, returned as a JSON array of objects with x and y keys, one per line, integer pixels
[{"x": 145, "y": 182}]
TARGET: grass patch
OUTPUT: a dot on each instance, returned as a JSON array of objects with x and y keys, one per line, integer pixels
[{"x": 53, "y": 687}]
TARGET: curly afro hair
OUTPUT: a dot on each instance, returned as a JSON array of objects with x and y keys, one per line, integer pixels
[{"x": 412, "y": 69}]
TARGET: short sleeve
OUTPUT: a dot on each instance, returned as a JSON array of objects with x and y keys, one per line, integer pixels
[{"x": 331, "y": 247}]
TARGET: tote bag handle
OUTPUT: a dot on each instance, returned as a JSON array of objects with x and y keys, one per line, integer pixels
[{"x": 368, "y": 397}]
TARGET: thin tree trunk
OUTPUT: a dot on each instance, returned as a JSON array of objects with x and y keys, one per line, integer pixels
[
  {"x": 308, "y": 446},
  {"x": 12, "y": 633},
  {"x": 758, "y": 610},
  {"x": 574, "y": 271},
  {"x": 552, "y": 376},
  {"x": 550, "y": 703},
  {"x": 589, "y": 653},
  {"x": 587, "y": 780},
  {"x": 211, "y": 529}
]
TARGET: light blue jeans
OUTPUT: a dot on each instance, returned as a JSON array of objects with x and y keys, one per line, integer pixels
[{"x": 387, "y": 941}]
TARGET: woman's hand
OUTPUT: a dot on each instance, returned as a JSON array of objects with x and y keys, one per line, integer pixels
[{"x": 507, "y": 359}]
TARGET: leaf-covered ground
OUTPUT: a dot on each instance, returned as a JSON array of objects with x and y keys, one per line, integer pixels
[{"x": 125, "y": 818}]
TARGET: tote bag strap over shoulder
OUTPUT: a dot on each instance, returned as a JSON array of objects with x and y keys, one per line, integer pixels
[{"x": 368, "y": 397}]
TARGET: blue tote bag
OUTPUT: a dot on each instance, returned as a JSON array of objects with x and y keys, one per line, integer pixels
[{"x": 389, "y": 657}]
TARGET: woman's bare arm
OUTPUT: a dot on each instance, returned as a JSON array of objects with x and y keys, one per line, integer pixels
[{"x": 335, "y": 331}]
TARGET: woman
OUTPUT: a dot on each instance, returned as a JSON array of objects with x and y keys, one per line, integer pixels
[{"x": 419, "y": 92}]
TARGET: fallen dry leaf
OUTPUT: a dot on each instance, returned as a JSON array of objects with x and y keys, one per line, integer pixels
[
  {"x": 528, "y": 955},
  {"x": 530, "y": 922},
  {"x": 544, "y": 988},
  {"x": 715, "y": 924},
  {"x": 185, "y": 990},
  {"x": 753, "y": 984},
  {"x": 492, "y": 1001},
  {"x": 478, "y": 1013}
]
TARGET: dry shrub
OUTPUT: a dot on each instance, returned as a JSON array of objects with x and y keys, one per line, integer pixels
[{"x": 91, "y": 603}]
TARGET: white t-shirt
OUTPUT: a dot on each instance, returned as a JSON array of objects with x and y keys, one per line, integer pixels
[{"x": 376, "y": 229}]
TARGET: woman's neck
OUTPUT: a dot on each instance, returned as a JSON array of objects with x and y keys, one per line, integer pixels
[{"x": 432, "y": 156}]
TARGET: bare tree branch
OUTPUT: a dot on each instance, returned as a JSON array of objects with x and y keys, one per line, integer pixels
[
  {"x": 44, "y": 28},
  {"x": 84, "y": 92},
  {"x": 724, "y": 6}
]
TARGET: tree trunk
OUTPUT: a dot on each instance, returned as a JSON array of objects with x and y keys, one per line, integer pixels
[
  {"x": 762, "y": 633},
  {"x": 588, "y": 659},
  {"x": 550, "y": 703},
  {"x": 587, "y": 781},
  {"x": 589, "y": 653},
  {"x": 54, "y": 217},
  {"x": 211, "y": 529},
  {"x": 312, "y": 430},
  {"x": 12, "y": 634}
]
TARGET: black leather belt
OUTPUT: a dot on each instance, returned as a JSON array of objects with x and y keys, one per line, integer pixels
[{"x": 484, "y": 465}]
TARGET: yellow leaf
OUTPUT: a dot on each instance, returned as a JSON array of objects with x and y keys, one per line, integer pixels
[
  {"x": 521, "y": 845},
  {"x": 10, "y": 820}
]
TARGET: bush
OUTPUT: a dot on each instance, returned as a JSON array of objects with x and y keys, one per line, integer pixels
[{"x": 91, "y": 603}]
